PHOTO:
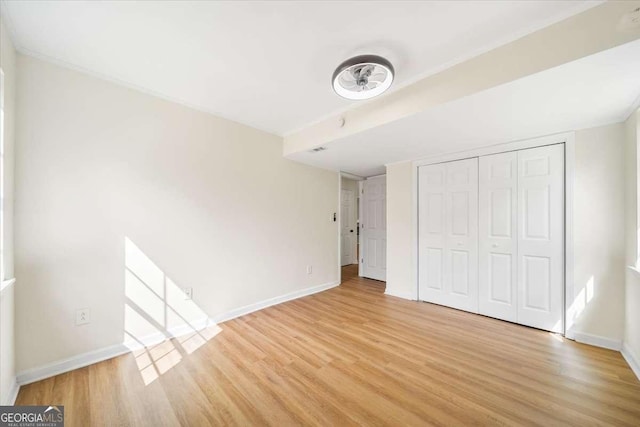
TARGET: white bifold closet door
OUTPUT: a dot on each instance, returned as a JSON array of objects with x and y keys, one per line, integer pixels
[
  {"x": 448, "y": 234},
  {"x": 541, "y": 237},
  {"x": 491, "y": 235},
  {"x": 521, "y": 229},
  {"x": 498, "y": 244}
]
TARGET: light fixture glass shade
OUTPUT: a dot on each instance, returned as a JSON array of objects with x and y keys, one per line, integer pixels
[{"x": 363, "y": 77}]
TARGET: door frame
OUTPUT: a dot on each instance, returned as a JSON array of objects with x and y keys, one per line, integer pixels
[
  {"x": 353, "y": 242},
  {"x": 339, "y": 217},
  {"x": 566, "y": 138}
]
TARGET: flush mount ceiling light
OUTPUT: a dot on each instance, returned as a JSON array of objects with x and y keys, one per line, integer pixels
[{"x": 362, "y": 77}]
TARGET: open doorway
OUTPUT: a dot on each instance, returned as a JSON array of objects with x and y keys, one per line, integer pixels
[
  {"x": 363, "y": 238},
  {"x": 349, "y": 215}
]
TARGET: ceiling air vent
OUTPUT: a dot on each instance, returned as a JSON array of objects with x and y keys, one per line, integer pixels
[{"x": 317, "y": 149}]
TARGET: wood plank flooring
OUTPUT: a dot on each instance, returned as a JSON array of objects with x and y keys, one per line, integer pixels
[{"x": 352, "y": 356}]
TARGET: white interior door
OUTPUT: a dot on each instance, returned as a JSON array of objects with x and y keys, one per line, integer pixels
[
  {"x": 497, "y": 252},
  {"x": 348, "y": 227},
  {"x": 448, "y": 234},
  {"x": 374, "y": 228},
  {"x": 541, "y": 237}
]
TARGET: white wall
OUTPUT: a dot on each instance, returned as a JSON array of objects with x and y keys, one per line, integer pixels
[
  {"x": 7, "y": 347},
  {"x": 632, "y": 313},
  {"x": 120, "y": 189},
  {"x": 598, "y": 230}
]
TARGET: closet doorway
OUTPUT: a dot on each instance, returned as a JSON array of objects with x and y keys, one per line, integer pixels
[{"x": 491, "y": 234}]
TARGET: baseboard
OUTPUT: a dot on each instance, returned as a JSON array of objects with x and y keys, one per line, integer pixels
[
  {"x": 89, "y": 358},
  {"x": 632, "y": 360},
  {"x": 70, "y": 364},
  {"x": 273, "y": 301},
  {"x": 173, "y": 332},
  {"x": 10, "y": 399},
  {"x": 403, "y": 295},
  {"x": 597, "y": 341}
]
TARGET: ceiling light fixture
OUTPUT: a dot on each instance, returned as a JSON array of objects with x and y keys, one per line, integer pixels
[{"x": 362, "y": 77}]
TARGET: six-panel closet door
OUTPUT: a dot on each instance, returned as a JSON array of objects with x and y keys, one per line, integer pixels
[
  {"x": 541, "y": 237},
  {"x": 448, "y": 234},
  {"x": 498, "y": 236},
  {"x": 491, "y": 235},
  {"x": 521, "y": 229}
]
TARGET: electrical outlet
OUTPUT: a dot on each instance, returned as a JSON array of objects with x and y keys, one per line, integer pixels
[
  {"x": 83, "y": 316},
  {"x": 188, "y": 293},
  {"x": 309, "y": 269}
]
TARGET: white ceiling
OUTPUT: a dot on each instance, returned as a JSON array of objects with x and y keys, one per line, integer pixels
[
  {"x": 266, "y": 64},
  {"x": 592, "y": 91}
]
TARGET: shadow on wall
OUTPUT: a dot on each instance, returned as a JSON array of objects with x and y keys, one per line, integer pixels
[
  {"x": 580, "y": 302},
  {"x": 156, "y": 309}
]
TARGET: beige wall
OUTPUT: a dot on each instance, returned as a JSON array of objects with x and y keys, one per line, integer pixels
[
  {"x": 632, "y": 313},
  {"x": 401, "y": 277},
  {"x": 598, "y": 222},
  {"x": 598, "y": 230},
  {"x": 123, "y": 195},
  {"x": 7, "y": 347}
]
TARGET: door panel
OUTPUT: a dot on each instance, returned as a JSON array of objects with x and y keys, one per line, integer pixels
[
  {"x": 374, "y": 225},
  {"x": 498, "y": 240},
  {"x": 460, "y": 272},
  {"x": 501, "y": 278},
  {"x": 433, "y": 273},
  {"x": 448, "y": 221},
  {"x": 541, "y": 237},
  {"x": 536, "y": 282}
]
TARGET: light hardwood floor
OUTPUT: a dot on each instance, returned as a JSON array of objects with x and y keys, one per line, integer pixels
[{"x": 348, "y": 356}]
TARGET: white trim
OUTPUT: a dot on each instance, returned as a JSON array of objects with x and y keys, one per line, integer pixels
[
  {"x": 6, "y": 284},
  {"x": 598, "y": 341},
  {"x": 403, "y": 295},
  {"x": 70, "y": 363},
  {"x": 569, "y": 174},
  {"x": 380, "y": 175},
  {"x": 339, "y": 228},
  {"x": 566, "y": 138},
  {"x": 273, "y": 301},
  {"x": 173, "y": 332},
  {"x": 105, "y": 353},
  {"x": 11, "y": 397},
  {"x": 360, "y": 210},
  {"x": 632, "y": 360},
  {"x": 415, "y": 253},
  {"x": 558, "y": 138},
  {"x": 352, "y": 176}
]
